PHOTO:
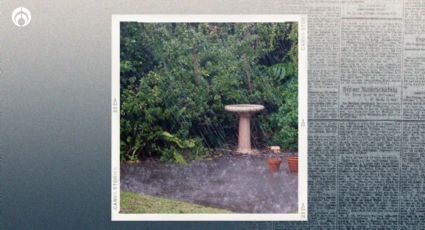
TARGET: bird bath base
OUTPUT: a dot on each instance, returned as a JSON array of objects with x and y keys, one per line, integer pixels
[
  {"x": 245, "y": 111},
  {"x": 248, "y": 151}
]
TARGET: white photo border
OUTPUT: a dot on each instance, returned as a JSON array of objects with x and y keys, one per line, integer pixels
[{"x": 302, "y": 118}]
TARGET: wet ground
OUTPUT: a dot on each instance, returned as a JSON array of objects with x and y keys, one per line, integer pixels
[{"x": 239, "y": 183}]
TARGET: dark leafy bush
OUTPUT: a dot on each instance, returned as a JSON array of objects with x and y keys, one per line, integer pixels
[{"x": 177, "y": 78}]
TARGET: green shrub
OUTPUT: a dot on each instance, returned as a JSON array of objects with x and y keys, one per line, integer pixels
[{"x": 177, "y": 78}]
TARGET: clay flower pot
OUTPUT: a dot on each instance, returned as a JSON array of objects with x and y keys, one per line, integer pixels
[
  {"x": 293, "y": 163},
  {"x": 274, "y": 163}
]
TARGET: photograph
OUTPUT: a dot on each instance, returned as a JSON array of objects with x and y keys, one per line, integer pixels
[
  {"x": 205, "y": 115},
  {"x": 209, "y": 118}
]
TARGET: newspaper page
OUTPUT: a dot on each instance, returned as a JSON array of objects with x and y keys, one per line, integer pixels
[{"x": 366, "y": 114}]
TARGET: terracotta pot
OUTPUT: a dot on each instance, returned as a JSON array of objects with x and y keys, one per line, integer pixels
[
  {"x": 274, "y": 163},
  {"x": 293, "y": 163}
]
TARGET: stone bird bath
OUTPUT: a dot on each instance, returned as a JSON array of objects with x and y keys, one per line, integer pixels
[{"x": 245, "y": 111}]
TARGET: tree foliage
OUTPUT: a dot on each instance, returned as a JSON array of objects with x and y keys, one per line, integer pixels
[{"x": 176, "y": 79}]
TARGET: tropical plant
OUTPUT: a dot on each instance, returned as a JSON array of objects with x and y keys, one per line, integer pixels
[{"x": 177, "y": 77}]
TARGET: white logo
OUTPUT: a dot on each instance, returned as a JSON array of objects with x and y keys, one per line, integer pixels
[{"x": 21, "y": 16}]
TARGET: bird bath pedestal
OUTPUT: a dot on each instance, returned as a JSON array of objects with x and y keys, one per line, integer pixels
[{"x": 245, "y": 111}]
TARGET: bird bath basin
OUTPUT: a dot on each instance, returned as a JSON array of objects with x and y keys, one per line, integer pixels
[{"x": 245, "y": 111}]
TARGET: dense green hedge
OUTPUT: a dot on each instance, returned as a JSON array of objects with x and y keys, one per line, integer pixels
[{"x": 176, "y": 79}]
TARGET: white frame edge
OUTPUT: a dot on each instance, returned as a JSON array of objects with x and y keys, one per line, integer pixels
[{"x": 302, "y": 119}]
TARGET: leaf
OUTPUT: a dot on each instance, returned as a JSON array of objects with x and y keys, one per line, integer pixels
[
  {"x": 179, "y": 158},
  {"x": 278, "y": 71}
]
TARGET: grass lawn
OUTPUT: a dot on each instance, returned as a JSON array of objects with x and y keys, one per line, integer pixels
[{"x": 137, "y": 203}]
